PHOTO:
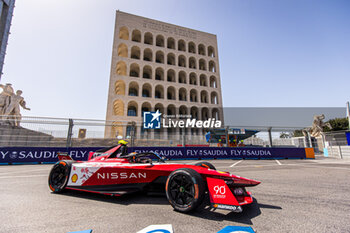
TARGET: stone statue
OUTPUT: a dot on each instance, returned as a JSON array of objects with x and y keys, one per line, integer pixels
[
  {"x": 7, "y": 91},
  {"x": 10, "y": 105},
  {"x": 317, "y": 126}
]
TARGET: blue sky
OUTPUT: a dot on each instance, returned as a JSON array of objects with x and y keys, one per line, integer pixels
[{"x": 271, "y": 53}]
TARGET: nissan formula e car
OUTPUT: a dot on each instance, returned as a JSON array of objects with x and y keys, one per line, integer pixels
[{"x": 185, "y": 185}]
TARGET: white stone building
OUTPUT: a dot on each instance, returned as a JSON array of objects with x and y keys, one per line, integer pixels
[{"x": 157, "y": 65}]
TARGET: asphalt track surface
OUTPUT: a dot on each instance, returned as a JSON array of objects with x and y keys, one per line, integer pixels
[{"x": 294, "y": 196}]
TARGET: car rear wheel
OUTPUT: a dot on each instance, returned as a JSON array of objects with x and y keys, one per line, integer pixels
[
  {"x": 185, "y": 189},
  {"x": 206, "y": 165},
  {"x": 59, "y": 176}
]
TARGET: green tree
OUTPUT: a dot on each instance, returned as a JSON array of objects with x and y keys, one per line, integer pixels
[
  {"x": 285, "y": 135},
  {"x": 298, "y": 133},
  {"x": 337, "y": 124}
]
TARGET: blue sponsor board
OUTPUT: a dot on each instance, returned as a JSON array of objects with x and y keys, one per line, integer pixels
[
  {"x": 347, "y": 134},
  {"x": 42, "y": 154},
  {"x": 49, "y": 154},
  {"x": 224, "y": 152}
]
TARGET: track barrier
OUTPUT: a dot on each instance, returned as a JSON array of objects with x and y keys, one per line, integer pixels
[{"x": 15, "y": 155}]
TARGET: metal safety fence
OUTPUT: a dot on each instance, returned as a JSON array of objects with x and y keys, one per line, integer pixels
[
  {"x": 63, "y": 132},
  {"x": 337, "y": 145}
]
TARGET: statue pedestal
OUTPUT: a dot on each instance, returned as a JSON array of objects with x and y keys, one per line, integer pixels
[{"x": 19, "y": 136}]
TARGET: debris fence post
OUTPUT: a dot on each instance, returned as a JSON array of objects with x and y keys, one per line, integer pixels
[{"x": 70, "y": 133}]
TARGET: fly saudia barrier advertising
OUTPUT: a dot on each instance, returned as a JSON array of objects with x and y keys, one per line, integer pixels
[{"x": 49, "y": 154}]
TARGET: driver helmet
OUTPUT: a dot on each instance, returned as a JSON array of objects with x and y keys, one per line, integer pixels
[{"x": 122, "y": 142}]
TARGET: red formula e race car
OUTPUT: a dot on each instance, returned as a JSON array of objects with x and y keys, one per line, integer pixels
[{"x": 110, "y": 171}]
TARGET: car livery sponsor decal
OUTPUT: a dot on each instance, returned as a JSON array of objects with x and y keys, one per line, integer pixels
[
  {"x": 220, "y": 193},
  {"x": 121, "y": 175},
  {"x": 80, "y": 173}
]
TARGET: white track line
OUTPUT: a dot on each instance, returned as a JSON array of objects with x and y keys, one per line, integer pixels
[
  {"x": 278, "y": 162},
  {"x": 24, "y": 171},
  {"x": 236, "y": 163},
  {"x": 5, "y": 177}
]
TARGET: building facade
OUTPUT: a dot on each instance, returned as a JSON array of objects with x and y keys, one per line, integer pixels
[
  {"x": 160, "y": 66},
  {"x": 6, "y": 12}
]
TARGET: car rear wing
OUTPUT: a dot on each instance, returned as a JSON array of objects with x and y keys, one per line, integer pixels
[{"x": 63, "y": 156}]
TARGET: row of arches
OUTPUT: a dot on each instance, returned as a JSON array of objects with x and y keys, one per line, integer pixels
[
  {"x": 170, "y": 75},
  {"x": 134, "y": 109},
  {"x": 169, "y": 93},
  {"x": 169, "y": 59},
  {"x": 169, "y": 42}
]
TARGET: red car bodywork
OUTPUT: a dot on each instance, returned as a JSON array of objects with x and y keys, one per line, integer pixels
[{"x": 118, "y": 176}]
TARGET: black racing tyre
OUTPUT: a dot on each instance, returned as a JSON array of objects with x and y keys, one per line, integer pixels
[
  {"x": 59, "y": 175},
  {"x": 206, "y": 165},
  {"x": 185, "y": 189}
]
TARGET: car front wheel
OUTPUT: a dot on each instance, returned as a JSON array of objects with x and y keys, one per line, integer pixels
[
  {"x": 185, "y": 189},
  {"x": 59, "y": 176}
]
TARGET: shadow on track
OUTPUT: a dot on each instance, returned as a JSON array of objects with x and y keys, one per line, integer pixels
[
  {"x": 249, "y": 212},
  {"x": 204, "y": 211}
]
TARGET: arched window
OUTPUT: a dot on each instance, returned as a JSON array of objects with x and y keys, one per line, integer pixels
[
  {"x": 183, "y": 111},
  {"x": 182, "y": 94},
  {"x": 119, "y": 87},
  {"x": 121, "y": 68},
  {"x": 122, "y": 50},
  {"x": 191, "y": 47},
  {"x": 193, "y": 95},
  {"x": 147, "y": 55},
  {"x": 134, "y": 70},
  {"x": 193, "y": 78},
  {"x": 130, "y": 129},
  {"x": 182, "y": 77},
  {"x": 118, "y": 108},
  {"x": 159, "y": 107},
  {"x": 171, "y": 43},
  {"x": 133, "y": 89},
  {"x": 147, "y": 72},
  {"x": 135, "y": 52},
  {"x": 117, "y": 128},
  {"x": 215, "y": 114},
  {"x": 213, "y": 82},
  {"x": 214, "y": 98},
  {"x": 181, "y": 45},
  {"x": 160, "y": 41},
  {"x": 159, "y": 92},
  {"x": 204, "y": 97},
  {"x": 171, "y": 110},
  {"x": 136, "y": 36},
  {"x": 212, "y": 67},
  {"x": 182, "y": 61},
  {"x": 201, "y": 49},
  {"x": 160, "y": 74},
  {"x": 211, "y": 51},
  {"x": 148, "y": 38},
  {"x": 192, "y": 63},
  {"x": 145, "y": 107},
  {"x": 205, "y": 113},
  {"x": 203, "y": 80},
  {"x": 202, "y": 65},
  {"x": 124, "y": 33},
  {"x": 160, "y": 57},
  {"x": 194, "y": 113},
  {"x": 171, "y": 59},
  {"x": 171, "y": 75},
  {"x": 132, "y": 108},
  {"x": 171, "y": 93},
  {"x": 147, "y": 90}
]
